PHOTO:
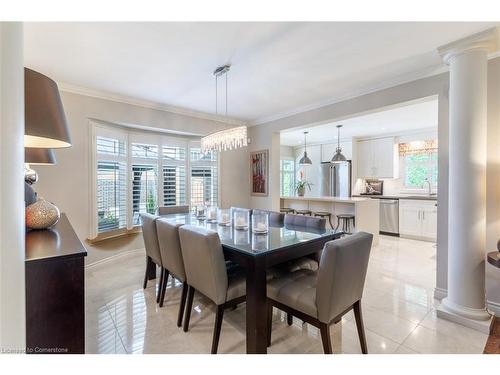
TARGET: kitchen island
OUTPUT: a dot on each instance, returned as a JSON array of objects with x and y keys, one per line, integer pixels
[{"x": 365, "y": 210}]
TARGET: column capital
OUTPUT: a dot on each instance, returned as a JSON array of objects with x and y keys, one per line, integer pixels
[{"x": 486, "y": 40}]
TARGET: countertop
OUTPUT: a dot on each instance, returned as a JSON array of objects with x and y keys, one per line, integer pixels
[
  {"x": 412, "y": 197},
  {"x": 328, "y": 199}
]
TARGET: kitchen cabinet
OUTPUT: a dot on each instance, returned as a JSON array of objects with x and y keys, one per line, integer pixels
[
  {"x": 377, "y": 158},
  {"x": 328, "y": 150},
  {"x": 418, "y": 219}
]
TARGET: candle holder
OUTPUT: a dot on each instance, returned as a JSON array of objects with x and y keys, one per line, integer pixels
[
  {"x": 241, "y": 237},
  {"x": 260, "y": 242},
  {"x": 260, "y": 223},
  {"x": 212, "y": 214},
  {"x": 225, "y": 233},
  {"x": 224, "y": 217},
  {"x": 200, "y": 212},
  {"x": 241, "y": 219}
]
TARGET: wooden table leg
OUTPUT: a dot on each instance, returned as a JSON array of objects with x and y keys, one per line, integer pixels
[{"x": 256, "y": 307}]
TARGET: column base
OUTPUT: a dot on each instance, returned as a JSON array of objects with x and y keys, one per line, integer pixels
[{"x": 477, "y": 319}]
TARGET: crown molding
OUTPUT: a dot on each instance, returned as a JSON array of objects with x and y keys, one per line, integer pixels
[
  {"x": 99, "y": 94},
  {"x": 393, "y": 82}
]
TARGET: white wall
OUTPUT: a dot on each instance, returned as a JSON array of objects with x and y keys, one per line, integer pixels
[
  {"x": 67, "y": 184},
  {"x": 12, "y": 253},
  {"x": 493, "y": 183}
]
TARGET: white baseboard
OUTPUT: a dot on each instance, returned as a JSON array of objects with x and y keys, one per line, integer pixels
[
  {"x": 440, "y": 293},
  {"x": 493, "y": 307},
  {"x": 116, "y": 256}
]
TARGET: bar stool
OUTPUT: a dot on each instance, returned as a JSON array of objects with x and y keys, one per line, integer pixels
[
  {"x": 303, "y": 212},
  {"x": 345, "y": 220},
  {"x": 286, "y": 210},
  {"x": 324, "y": 214}
]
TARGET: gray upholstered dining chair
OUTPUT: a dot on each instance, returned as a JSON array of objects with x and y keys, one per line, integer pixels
[
  {"x": 275, "y": 218},
  {"x": 169, "y": 210},
  {"x": 171, "y": 256},
  {"x": 152, "y": 246},
  {"x": 322, "y": 298},
  {"x": 206, "y": 272},
  {"x": 310, "y": 222}
]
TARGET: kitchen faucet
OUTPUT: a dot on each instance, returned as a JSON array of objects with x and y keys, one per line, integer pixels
[{"x": 428, "y": 186}]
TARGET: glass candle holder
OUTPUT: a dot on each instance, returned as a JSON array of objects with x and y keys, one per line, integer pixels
[
  {"x": 212, "y": 214},
  {"x": 224, "y": 217},
  {"x": 260, "y": 223},
  {"x": 200, "y": 212},
  {"x": 225, "y": 233},
  {"x": 241, "y": 219},
  {"x": 260, "y": 242},
  {"x": 241, "y": 237}
]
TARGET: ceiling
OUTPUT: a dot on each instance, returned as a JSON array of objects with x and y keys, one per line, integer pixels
[
  {"x": 402, "y": 119},
  {"x": 277, "y": 67}
]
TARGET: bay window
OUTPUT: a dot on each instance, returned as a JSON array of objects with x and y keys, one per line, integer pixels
[{"x": 135, "y": 172}]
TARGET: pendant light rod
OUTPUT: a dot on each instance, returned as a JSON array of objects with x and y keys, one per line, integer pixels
[{"x": 305, "y": 159}]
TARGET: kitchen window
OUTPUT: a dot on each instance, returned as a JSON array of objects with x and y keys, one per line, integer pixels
[
  {"x": 135, "y": 172},
  {"x": 419, "y": 164},
  {"x": 287, "y": 177}
]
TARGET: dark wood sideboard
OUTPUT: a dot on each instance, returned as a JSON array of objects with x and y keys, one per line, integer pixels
[{"x": 55, "y": 290}]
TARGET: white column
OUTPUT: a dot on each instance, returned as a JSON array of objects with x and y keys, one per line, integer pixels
[
  {"x": 468, "y": 61},
  {"x": 12, "y": 296}
]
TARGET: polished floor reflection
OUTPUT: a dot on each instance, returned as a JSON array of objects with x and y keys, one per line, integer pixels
[{"x": 398, "y": 306}]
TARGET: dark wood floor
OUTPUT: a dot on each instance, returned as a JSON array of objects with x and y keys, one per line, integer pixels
[{"x": 493, "y": 343}]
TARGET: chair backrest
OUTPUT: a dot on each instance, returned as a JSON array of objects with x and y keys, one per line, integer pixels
[
  {"x": 275, "y": 218},
  {"x": 341, "y": 275},
  {"x": 204, "y": 262},
  {"x": 170, "y": 248},
  {"x": 168, "y": 210},
  {"x": 151, "y": 237},
  {"x": 305, "y": 221}
]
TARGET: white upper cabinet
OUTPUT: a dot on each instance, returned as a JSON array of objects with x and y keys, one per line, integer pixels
[
  {"x": 328, "y": 150},
  {"x": 377, "y": 158}
]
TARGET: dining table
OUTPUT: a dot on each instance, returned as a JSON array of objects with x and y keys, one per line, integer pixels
[{"x": 257, "y": 252}]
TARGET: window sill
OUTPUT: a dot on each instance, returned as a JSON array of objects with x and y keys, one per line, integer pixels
[{"x": 114, "y": 234}]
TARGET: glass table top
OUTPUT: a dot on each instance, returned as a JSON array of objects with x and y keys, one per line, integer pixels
[{"x": 246, "y": 241}]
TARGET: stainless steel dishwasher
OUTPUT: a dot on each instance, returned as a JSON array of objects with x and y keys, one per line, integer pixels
[{"x": 389, "y": 216}]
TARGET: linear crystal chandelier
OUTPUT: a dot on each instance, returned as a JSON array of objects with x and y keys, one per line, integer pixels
[{"x": 227, "y": 139}]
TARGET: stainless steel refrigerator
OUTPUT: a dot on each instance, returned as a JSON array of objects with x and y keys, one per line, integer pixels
[{"x": 335, "y": 179}]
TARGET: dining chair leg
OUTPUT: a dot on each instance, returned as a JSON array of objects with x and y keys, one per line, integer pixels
[
  {"x": 162, "y": 273},
  {"x": 219, "y": 315},
  {"x": 182, "y": 304},
  {"x": 164, "y": 287},
  {"x": 361, "y": 329},
  {"x": 269, "y": 323},
  {"x": 189, "y": 307},
  {"x": 325, "y": 338},
  {"x": 289, "y": 319},
  {"x": 145, "y": 283}
]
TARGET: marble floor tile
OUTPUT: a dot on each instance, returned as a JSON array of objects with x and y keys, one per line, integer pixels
[{"x": 398, "y": 311}]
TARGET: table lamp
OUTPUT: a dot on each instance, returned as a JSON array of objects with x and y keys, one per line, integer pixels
[{"x": 45, "y": 128}]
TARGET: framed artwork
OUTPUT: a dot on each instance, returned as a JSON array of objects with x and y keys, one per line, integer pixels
[{"x": 259, "y": 173}]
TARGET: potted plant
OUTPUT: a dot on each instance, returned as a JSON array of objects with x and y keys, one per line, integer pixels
[{"x": 301, "y": 185}]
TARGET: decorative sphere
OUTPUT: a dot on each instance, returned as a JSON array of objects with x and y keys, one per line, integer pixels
[{"x": 41, "y": 215}]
